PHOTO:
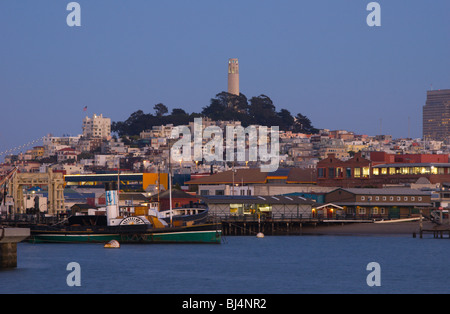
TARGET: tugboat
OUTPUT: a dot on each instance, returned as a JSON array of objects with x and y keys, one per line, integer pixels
[{"x": 132, "y": 229}]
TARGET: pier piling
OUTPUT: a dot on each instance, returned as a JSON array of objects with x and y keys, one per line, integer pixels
[{"x": 9, "y": 237}]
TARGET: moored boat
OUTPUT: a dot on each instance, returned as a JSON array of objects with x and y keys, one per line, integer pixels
[{"x": 132, "y": 229}]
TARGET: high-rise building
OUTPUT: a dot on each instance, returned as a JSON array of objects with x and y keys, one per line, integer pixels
[
  {"x": 96, "y": 127},
  {"x": 436, "y": 116},
  {"x": 233, "y": 76}
]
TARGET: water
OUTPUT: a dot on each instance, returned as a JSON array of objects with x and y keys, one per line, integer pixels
[{"x": 241, "y": 265}]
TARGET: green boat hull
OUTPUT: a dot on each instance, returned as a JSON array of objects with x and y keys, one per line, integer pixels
[{"x": 175, "y": 235}]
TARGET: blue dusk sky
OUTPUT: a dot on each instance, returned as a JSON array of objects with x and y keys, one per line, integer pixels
[{"x": 318, "y": 58}]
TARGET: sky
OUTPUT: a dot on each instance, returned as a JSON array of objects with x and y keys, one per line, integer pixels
[{"x": 318, "y": 58}]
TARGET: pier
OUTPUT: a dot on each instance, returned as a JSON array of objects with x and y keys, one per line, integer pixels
[
  {"x": 235, "y": 226},
  {"x": 438, "y": 232},
  {"x": 441, "y": 227},
  {"x": 9, "y": 237}
]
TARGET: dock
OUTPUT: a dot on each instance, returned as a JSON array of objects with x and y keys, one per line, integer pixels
[
  {"x": 439, "y": 229},
  {"x": 233, "y": 226},
  {"x": 438, "y": 232}
]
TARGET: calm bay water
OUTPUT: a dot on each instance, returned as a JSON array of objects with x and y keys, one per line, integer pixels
[{"x": 240, "y": 265}]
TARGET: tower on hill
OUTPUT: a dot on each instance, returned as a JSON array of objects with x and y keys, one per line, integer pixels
[{"x": 233, "y": 76}]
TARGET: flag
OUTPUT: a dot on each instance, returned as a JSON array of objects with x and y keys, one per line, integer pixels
[{"x": 85, "y": 108}]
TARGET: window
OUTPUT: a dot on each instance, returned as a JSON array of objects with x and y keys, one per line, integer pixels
[
  {"x": 331, "y": 173},
  {"x": 405, "y": 198},
  {"x": 366, "y": 172},
  {"x": 220, "y": 192},
  {"x": 382, "y": 211},
  {"x": 376, "y": 171},
  {"x": 348, "y": 172},
  {"x": 413, "y": 198},
  {"x": 419, "y": 198},
  {"x": 362, "y": 211},
  {"x": 357, "y": 172},
  {"x": 391, "y": 198},
  {"x": 204, "y": 192},
  {"x": 384, "y": 198},
  {"x": 399, "y": 198},
  {"x": 363, "y": 198},
  {"x": 377, "y": 198},
  {"x": 321, "y": 172}
]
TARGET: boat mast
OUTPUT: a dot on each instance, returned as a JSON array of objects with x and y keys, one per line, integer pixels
[
  {"x": 170, "y": 184},
  {"x": 159, "y": 187},
  {"x": 118, "y": 186}
]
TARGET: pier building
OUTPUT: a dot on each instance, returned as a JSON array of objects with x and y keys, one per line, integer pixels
[
  {"x": 379, "y": 203},
  {"x": 264, "y": 206}
]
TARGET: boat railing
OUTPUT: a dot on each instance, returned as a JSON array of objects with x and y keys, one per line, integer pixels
[{"x": 30, "y": 219}]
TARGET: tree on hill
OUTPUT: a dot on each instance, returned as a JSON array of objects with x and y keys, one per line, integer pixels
[
  {"x": 160, "y": 109},
  {"x": 259, "y": 110}
]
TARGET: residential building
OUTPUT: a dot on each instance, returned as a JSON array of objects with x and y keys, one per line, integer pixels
[
  {"x": 96, "y": 127},
  {"x": 66, "y": 154}
]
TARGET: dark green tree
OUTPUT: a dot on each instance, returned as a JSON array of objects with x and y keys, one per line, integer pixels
[
  {"x": 160, "y": 109},
  {"x": 302, "y": 124}
]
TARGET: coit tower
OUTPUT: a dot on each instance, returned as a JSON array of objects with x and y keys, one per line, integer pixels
[{"x": 233, "y": 76}]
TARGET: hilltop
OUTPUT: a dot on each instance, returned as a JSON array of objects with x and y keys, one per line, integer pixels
[{"x": 258, "y": 110}]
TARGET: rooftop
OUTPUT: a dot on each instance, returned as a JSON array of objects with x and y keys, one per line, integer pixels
[
  {"x": 384, "y": 191},
  {"x": 247, "y": 199}
]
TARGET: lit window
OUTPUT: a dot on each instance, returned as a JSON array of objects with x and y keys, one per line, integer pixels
[{"x": 366, "y": 171}]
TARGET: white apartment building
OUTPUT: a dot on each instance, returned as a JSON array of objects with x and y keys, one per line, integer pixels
[{"x": 96, "y": 127}]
